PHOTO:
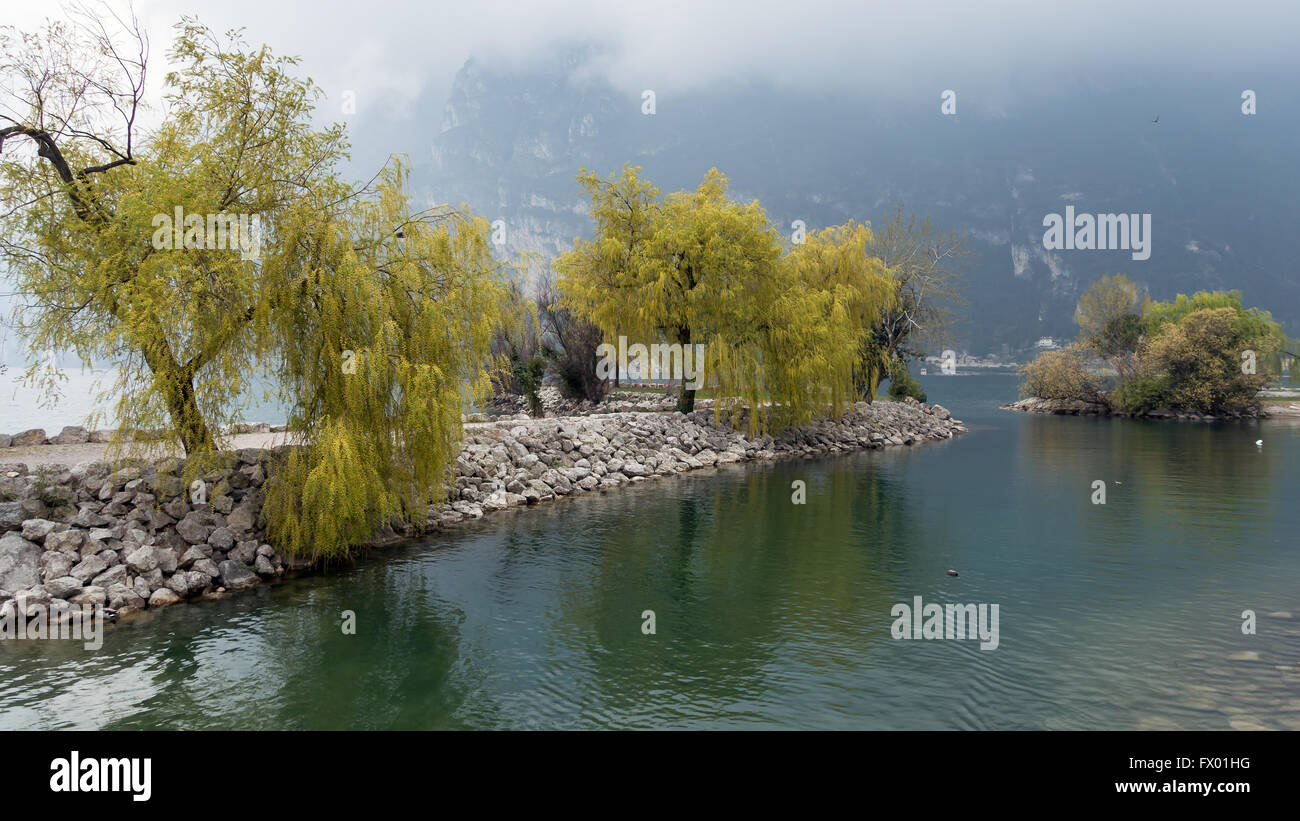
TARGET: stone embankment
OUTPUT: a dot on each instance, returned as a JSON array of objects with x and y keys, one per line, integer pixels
[
  {"x": 131, "y": 537},
  {"x": 554, "y": 404},
  {"x": 506, "y": 464}
]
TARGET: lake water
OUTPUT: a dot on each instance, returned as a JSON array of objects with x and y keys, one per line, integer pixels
[
  {"x": 1126, "y": 615},
  {"x": 80, "y": 392}
]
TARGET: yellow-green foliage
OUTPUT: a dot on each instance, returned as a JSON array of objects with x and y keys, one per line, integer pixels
[
  {"x": 370, "y": 322},
  {"x": 179, "y": 322},
  {"x": 1199, "y": 359},
  {"x": 783, "y": 331},
  {"x": 1252, "y": 328},
  {"x": 1109, "y": 299},
  {"x": 383, "y": 338},
  {"x": 1062, "y": 374},
  {"x": 1204, "y": 353},
  {"x": 603, "y": 278},
  {"x": 837, "y": 262}
]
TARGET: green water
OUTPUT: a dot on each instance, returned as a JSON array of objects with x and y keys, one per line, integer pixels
[{"x": 1125, "y": 615}]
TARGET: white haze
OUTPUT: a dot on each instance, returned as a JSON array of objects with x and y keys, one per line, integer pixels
[{"x": 392, "y": 53}]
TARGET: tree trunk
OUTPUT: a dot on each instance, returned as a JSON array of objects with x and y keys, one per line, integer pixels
[
  {"x": 685, "y": 400},
  {"x": 187, "y": 420},
  {"x": 177, "y": 388},
  {"x": 618, "y": 364}
]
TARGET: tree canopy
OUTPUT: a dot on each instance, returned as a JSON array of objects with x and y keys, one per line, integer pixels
[
  {"x": 1101, "y": 314},
  {"x": 1203, "y": 354},
  {"x": 222, "y": 244},
  {"x": 926, "y": 266},
  {"x": 784, "y": 332}
]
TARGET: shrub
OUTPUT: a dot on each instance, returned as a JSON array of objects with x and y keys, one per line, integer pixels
[
  {"x": 1062, "y": 375},
  {"x": 528, "y": 375},
  {"x": 570, "y": 342},
  {"x": 901, "y": 382},
  {"x": 1199, "y": 356},
  {"x": 575, "y": 359},
  {"x": 1142, "y": 394}
]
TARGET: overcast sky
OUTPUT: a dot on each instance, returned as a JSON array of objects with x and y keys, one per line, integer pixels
[{"x": 390, "y": 53}]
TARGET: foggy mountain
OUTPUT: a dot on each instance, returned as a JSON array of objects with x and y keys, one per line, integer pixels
[{"x": 1217, "y": 182}]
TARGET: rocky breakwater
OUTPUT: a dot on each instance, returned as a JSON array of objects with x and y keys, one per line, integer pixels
[
  {"x": 508, "y": 464},
  {"x": 137, "y": 537},
  {"x": 554, "y": 404},
  {"x": 133, "y": 537}
]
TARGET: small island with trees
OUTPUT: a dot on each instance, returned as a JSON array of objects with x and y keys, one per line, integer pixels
[{"x": 1204, "y": 357}]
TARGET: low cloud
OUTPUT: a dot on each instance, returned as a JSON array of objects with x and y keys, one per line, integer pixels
[{"x": 392, "y": 53}]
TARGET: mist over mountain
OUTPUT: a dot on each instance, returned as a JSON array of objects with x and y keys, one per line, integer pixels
[
  {"x": 510, "y": 140},
  {"x": 831, "y": 111}
]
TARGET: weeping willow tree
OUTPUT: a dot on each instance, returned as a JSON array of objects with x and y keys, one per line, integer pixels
[
  {"x": 383, "y": 335},
  {"x": 781, "y": 334},
  {"x": 838, "y": 262},
  {"x": 599, "y": 279},
  {"x": 222, "y": 246},
  {"x": 707, "y": 270}
]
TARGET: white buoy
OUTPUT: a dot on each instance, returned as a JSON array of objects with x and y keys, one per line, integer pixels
[{"x": 1259, "y": 443}]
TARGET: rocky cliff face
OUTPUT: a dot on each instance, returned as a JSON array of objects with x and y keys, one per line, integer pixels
[{"x": 511, "y": 151}]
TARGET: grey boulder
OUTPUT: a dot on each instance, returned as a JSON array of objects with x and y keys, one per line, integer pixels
[
  {"x": 20, "y": 562},
  {"x": 237, "y": 576},
  {"x": 63, "y": 587}
]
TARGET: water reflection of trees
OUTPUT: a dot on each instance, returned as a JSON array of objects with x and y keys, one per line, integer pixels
[
  {"x": 740, "y": 579},
  {"x": 401, "y": 670},
  {"x": 533, "y": 619},
  {"x": 1193, "y": 482}
]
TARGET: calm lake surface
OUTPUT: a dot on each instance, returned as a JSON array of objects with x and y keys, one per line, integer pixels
[
  {"x": 81, "y": 393},
  {"x": 1126, "y": 615}
]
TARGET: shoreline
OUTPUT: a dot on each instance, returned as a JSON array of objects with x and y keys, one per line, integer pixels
[
  {"x": 130, "y": 539},
  {"x": 668, "y": 443},
  {"x": 1077, "y": 407},
  {"x": 75, "y": 444}
]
